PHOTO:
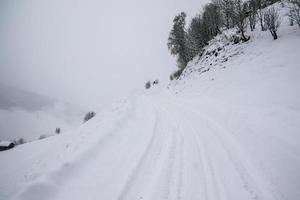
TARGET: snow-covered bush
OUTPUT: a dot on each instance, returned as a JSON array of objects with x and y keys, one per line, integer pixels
[
  {"x": 89, "y": 116},
  {"x": 42, "y": 137},
  {"x": 148, "y": 85},
  {"x": 240, "y": 16},
  {"x": 155, "y": 82},
  {"x": 20, "y": 141},
  {"x": 57, "y": 130},
  {"x": 176, "y": 74}
]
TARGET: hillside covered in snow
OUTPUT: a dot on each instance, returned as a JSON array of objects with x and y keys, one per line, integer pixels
[
  {"x": 227, "y": 129},
  {"x": 29, "y": 115}
]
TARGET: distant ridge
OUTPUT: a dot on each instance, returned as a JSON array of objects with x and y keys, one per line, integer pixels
[{"x": 11, "y": 97}]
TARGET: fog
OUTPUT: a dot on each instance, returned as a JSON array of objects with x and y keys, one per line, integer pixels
[{"x": 87, "y": 52}]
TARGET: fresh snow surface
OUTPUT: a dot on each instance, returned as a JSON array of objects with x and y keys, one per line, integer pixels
[{"x": 227, "y": 133}]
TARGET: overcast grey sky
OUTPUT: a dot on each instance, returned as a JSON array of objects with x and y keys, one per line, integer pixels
[{"x": 87, "y": 51}]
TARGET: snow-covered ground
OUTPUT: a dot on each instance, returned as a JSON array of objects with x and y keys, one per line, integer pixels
[{"x": 230, "y": 132}]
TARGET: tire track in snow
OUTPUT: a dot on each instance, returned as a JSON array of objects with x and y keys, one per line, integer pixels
[
  {"x": 253, "y": 180},
  {"x": 140, "y": 164},
  {"x": 174, "y": 178},
  {"x": 161, "y": 153},
  {"x": 213, "y": 188},
  {"x": 191, "y": 189}
]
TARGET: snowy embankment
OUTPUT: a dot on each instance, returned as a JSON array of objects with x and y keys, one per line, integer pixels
[{"x": 226, "y": 130}]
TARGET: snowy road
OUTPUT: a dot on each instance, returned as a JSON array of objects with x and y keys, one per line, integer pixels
[
  {"x": 225, "y": 131},
  {"x": 162, "y": 149}
]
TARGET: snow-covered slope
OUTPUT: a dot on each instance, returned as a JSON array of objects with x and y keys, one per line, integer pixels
[
  {"x": 28, "y": 115},
  {"x": 230, "y": 132}
]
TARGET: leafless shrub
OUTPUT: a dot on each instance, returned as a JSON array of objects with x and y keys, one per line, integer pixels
[{"x": 272, "y": 21}]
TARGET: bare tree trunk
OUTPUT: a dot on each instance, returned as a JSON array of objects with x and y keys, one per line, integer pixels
[
  {"x": 261, "y": 20},
  {"x": 275, "y": 36}
]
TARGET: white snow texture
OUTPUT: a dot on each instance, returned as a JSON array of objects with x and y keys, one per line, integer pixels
[{"x": 227, "y": 130}]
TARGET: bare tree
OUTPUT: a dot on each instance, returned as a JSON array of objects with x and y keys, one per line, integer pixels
[
  {"x": 240, "y": 17},
  {"x": 252, "y": 21},
  {"x": 259, "y": 4},
  {"x": 252, "y": 14},
  {"x": 227, "y": 8},
  {"x": 291, "y": 21},
  {"x": 212, "y": 16},
  {"x": 272, "y": 22},
  {"x": 294, "y": 14}
]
